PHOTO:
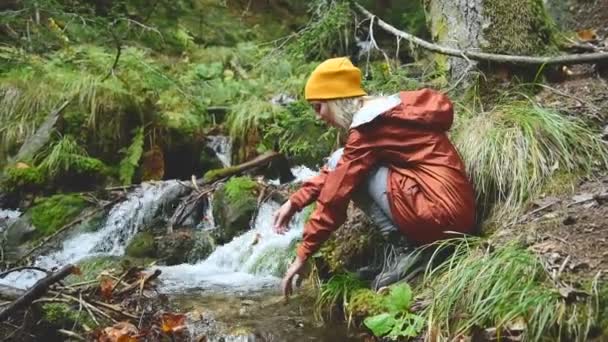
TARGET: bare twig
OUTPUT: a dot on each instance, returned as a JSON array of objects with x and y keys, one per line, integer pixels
[
  {"x": 36, "y": 291},
  {"x": 484, "y": 56},
  {"x": 22, "y": 268},
  {"x": 71, "y": 334}
]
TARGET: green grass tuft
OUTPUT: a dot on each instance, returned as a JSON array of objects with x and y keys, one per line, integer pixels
[
  {"x": 483, "y": 286},
  {"x": 511, "y": 152},
  {"x": 336, "y": 293}
]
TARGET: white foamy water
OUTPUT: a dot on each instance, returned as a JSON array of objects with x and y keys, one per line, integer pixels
[
  {"x": 7, "y": 217},
  {"x": 245, "y": 263},
  {"x": 222, "y": 146},
  {"x": 301, "y": 172},
  {"x": 122, "y": 223}
]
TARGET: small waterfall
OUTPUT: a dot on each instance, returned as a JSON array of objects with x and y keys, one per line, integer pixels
[
  {"x": 222, "y": 146},
  {"x": 250, "y": 261},
  {"x": 122, "y": 223}
]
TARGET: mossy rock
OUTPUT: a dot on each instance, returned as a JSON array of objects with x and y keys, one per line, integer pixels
[
  {"x": 141, "y": 246},
  {"x": 91, "y": 267},
  {"x": 203, "y": 246},
  {"x": 234, "y": 204},
  {"x": 21, "y": 179},
  {"x": 51, "y": 213},
  {"x": 173, "y": 249}
]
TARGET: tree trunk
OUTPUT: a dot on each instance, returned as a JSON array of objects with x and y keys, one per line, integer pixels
[{"x": 516, "y": 27}]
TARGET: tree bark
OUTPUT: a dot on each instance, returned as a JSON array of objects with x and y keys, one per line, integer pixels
[{"x": 513, "y": 27}]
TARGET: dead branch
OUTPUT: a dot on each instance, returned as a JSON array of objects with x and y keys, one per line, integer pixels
[
  {"x": 136, "y": 284},
  {"x": 10, "y": 293},
  {"x": 71, "y": 334},
  {"x": 68, "y": 226},
  {"x": 36, "y": 291},
  {"x": 260, "y": 160},
  {"x": 484, "y": 56},
  {"x": 22, "y": 268}
]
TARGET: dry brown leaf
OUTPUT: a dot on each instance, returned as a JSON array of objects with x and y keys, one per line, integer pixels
[
  {"x": 587, "y": 35},
  {"x": 105, "y": 286},
  {"x": 119, "y": 332},
  {"x": 76, "y": 271},
  {"x": 21, "y": 165},
  {"x": 172, "y": 323}
]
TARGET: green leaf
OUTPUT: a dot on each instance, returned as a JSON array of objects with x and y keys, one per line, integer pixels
[
  {"x": 399, "y": 299},
  {"x": 380, "y": 324},
  {"x": 129, "y": 163}
]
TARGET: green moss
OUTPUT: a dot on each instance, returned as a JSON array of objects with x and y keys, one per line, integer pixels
[
  {"x": 365, "y": 302},
  {"x": 213, "y": 175},
  {"x": 64, "y": 316},
  {"x": 518, "y": 27},
  {"x": 141, "y": 246},
  {"x": 561, "y": 183},
  {"x": 21, "y": 179},
  {"x": 50, "y": 214},
  {"x": 239, "y": 188},
  {"x": 233, "y": 206}
]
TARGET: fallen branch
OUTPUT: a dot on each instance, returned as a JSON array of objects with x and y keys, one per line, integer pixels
[
  {"x": 22, "y": 268},
  {"x": 71, "y": 334},
  {"x": 36, "y": 291},
  {"x": 484, "y": 56},
  {"x": 137, "y": 283},
  {"x": 214, "y": 175},
  {"x": 68, "y": 226}
]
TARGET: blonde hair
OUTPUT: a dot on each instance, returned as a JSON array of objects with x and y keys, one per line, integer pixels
[{"x": 344, "y": 109}]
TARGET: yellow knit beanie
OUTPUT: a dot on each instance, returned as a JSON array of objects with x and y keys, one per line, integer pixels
[{"x": 334, "y": 79}]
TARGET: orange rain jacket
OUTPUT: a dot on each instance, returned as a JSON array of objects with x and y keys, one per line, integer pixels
[{"x": 428, "y": 189}]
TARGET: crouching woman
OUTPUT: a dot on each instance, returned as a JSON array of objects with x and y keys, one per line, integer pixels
[{"x": 398, "y": 165}]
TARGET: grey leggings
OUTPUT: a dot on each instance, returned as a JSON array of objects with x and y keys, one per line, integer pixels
[{"x": 372, "y": 197}]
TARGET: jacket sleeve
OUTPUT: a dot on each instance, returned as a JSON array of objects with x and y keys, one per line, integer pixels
[
  {"x": 309, "y": 191},
  {"x": 335, "y": 194},
  {"x": 428, "y": 108}
]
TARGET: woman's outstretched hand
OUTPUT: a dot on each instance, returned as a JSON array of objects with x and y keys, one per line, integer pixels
[
  {"x": 282, "y": 217},
  {"x": 287, "y": 283}
]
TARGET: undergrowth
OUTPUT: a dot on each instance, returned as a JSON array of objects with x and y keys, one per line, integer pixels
[
  {"x": 505, "y": 287},
  {"x": 512, "y": 150}
]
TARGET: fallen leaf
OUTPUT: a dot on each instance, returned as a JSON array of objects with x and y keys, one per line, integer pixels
[
  {"x": 76, "y": 271},
  {"x": 119, "y": 332},
  {"x": 172, "y": 323},
  {"x": 21, "y": 165},
  {"x": 587, "y": 35},
  {"x": 105, "y": 286}
]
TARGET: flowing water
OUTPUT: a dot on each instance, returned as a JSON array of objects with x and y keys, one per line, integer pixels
[
  {"x": 222, "y": 147},
  {"x": 124, "y": 220},
  {"x": 236, "y": 286}
]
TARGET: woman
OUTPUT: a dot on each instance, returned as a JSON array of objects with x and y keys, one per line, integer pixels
[{"x": 407, "y": 175}]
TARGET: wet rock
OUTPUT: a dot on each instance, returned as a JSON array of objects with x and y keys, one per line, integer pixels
[
  {"x": 234, "y": 204},
  {"x": 203, "y": 246},
  {"x": 209, "y": 160},
  {"x": 141, "y": 246},
  {"x": 173, "y": 248},
  {"x": 19, "y": 231}
]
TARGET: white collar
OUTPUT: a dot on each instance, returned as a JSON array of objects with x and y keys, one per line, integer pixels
[{"x": 374, "y": 108}]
